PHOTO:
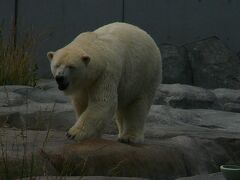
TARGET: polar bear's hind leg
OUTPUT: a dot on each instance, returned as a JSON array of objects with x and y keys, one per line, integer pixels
[{"x": 132, "y": 122}]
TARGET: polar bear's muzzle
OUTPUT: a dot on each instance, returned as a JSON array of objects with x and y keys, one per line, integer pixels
[{"x": 62, "y": 82}]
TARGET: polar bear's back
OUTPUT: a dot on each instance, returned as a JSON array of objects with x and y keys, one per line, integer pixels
[
  {"x": 130, "y": 52},
  {"x": 140, "y": 56},
  {"x": 127, "y": 34}
]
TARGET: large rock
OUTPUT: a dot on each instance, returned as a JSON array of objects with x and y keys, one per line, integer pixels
[
  {"x": 185, "y": 96},
  {"x": 192, "y": 97},
  {"x": 20, "y": 152},
  {"x": 228, "y": 99},
  {"x": 213, "y": 64},
  {"x": 12, "y": 88},
  {"x": 8, "y": 99},
  {"x": 176, "y": 66},
  {"x": 163, "y": 159},
  {"x": 45, "y": 92},
  {"x": 34, "y": 107},
  {"x": 50, "y": 153},
  {"x": 40, "y": 108},
  {"x": 164, "y": 121},
  {"x": 41, "y": 116},
  {"x": 227, "y": 95},
  {"x": 46, "y": 120},
  {"x": 232, "y": 107},
  {"x": 47, "y": 84},
  {"x": 6, "y": 118},
  {"x": 51, "y": 95}
]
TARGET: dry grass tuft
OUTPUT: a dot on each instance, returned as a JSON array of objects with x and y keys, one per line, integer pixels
[{"x": 16, "y": 59}]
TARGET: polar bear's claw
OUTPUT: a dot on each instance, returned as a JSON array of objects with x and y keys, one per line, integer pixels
[
  {"x": 77, "y": 134},
  {"x": 69, "y": 136}
]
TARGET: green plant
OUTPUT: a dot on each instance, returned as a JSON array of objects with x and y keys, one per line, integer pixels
[{"x": 16, "y": 59}]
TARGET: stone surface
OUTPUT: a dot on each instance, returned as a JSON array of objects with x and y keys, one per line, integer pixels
[
  {"x": 176, "y": 66},
  {"x": 8, "y": 99},
  {"x": 185, "y": 96},
  {"x": 12, "y": 88},
  {"x": 164, "y": 121},
  {"x": 214, "y": 176},
  {"x": 232, "y": 107},
  {"x": 227, "y": 95},
  {"x": 46, "y": 91},
  {"x": 46, "y": 84},
  {"x": 159, "y": 158},
  {"x": 33, "y": 107},
  {"x": 162, "y": 159},
  {"x": 213, "y": 64},
  {"x": 7, "y": 118},
  {"x": 52, "y": 95},
  {"x": 20, "y": 152},
  {"x": 46, "y": 120},
  {"x": 192, "y": 97}
]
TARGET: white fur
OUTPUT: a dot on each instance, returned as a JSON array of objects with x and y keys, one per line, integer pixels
[{"x": 120, "y": 79}]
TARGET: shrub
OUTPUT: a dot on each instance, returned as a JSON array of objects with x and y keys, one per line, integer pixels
[{"x": 16, "y": 59}]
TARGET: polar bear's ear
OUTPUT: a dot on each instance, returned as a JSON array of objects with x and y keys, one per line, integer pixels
[
  {"x": 86, "y": 59},
  {"x": 50, "y": 55}
]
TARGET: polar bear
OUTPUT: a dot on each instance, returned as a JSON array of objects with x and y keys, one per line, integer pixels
[{"x": 110, "y": 72}]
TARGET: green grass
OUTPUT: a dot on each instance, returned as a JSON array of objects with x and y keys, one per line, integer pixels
[{"x": 16, "y": 59}]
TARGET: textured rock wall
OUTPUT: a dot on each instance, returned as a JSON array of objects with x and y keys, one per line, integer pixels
[{"x": 207, "y": 63}]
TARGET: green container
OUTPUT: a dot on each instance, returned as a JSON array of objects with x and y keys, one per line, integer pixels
[{"x": 231, "y": 172}]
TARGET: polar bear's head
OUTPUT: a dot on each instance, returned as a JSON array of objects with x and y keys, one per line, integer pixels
[{"x": 69, "y": 68}]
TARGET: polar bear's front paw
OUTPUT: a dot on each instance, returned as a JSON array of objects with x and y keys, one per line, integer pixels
[
  {"x": 77, "y": 134},
  {"x": 72, "y": 132}
]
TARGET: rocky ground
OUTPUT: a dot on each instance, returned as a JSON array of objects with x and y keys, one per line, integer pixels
[{"x": 189, "y": 131}]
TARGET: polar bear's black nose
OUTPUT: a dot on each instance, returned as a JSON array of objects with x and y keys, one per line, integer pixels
[
  {"x": 60, "y": 79},
  {"x": 62, "y": 82}
]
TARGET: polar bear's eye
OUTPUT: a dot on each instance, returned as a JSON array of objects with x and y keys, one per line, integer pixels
[{"x": 57, "y": 65}]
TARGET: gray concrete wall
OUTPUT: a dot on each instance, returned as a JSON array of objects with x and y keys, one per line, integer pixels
[
  {"x": 168, "y": 21},
  {"x": 59, "y": 21},
  {"x": 181, "y": 21},
  {"x": 7, "y": 13}
]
